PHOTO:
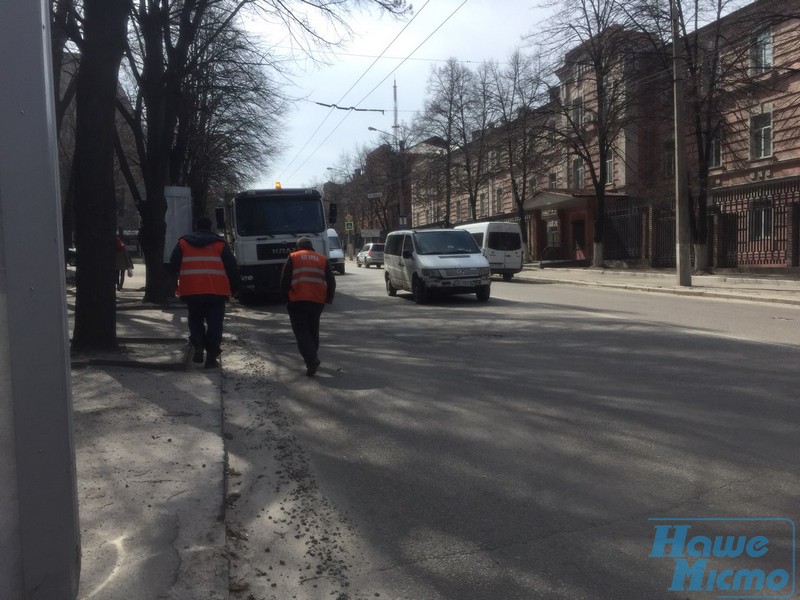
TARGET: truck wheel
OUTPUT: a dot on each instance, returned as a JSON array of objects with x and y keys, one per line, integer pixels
[
  {"x": 390, "y": 289},
  {"x": 507, "y": 276},
  {"x": 483, "y": 293}
]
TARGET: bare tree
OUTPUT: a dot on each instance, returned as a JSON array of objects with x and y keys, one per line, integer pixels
[
  {"x": 597, "y": 58},
  {"x": 476, "y": 113},
  {"x": 229, "y": 119},
  {"x": 165, "y": 52},
  {"x": 96, "y": 92},
  {"x": 443, "y": 117},
  {"x": 521, "y": 131},
  {"x": 723, "y": 49}
]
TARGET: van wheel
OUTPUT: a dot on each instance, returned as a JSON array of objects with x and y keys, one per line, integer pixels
[
  {"x": 483, "y": 293},
  {"x": 390, "y": 289},
  {"x": 420, "y": 291},
  {"x": 507, "y": 276}
]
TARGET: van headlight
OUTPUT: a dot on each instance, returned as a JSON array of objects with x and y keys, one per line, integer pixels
[
  {"x": 432, "y": 273},
  {"x": 483, "y": 271}
]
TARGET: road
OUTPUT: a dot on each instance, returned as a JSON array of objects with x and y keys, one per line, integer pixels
[{"x": 517, "y": 449}]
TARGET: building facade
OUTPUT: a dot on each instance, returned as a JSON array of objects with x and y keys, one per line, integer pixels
[{"x": 606, "y": 156}]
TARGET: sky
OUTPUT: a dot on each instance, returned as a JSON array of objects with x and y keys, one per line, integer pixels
[{"x": 316, "y": 137}]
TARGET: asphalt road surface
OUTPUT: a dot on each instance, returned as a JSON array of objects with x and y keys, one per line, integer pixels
[{"x": 523, "y": 448}]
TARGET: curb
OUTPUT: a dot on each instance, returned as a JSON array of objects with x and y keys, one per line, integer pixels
[{"x": 706, "y": 293}]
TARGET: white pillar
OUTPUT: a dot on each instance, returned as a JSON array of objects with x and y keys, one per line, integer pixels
[{"x": 39, "y": 534}]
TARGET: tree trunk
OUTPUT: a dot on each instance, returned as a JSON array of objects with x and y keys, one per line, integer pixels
[
  {"x": 701, "y": 257},
  {"x": 597, "y": 256},
  {"x": 105, "y": 28},
  {"x": 599, "y": 230},
  {"x": 153, "y": 211}
]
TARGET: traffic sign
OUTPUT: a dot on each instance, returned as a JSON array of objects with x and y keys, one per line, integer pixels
[
  {"x": 349, "y": 226},
  {"x": 374, "y": 195}
]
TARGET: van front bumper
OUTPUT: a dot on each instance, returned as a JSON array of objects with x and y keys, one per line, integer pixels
[{"x": 465, "y": 285}]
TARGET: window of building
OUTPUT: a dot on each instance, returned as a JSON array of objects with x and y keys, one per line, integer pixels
[
  {"x": 553, "y": 239},
  {"x": 577, "y": 173},
  {"x": 578, "y": 112},
  {"x": 760, "y": 220},
  {"x": 609, "y": 88},
  {"x": 484, "y": 204},
  {"x": 459, "y": 215},
  {"x": 609, "y": 167},
  {"x": 761, "y": 52},
  {"x": 668, "y": 159},
  {"x": 715, "y": 152},
  {"x": 761, "y": 135},
  {"x": 552, "y": 180},
  {"x": 498, "y": 201}
]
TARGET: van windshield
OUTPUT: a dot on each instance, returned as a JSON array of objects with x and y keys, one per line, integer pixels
[
  {"x": 452, "y": 241},
  {"x": 503, "y": 240},
  {"x": 333, "y": 242}
]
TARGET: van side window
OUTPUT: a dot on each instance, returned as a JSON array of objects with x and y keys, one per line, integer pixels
[
  {"x": 393, "y": 245},
  {"x": 478, "y": 238},
  {"x": 408, "y": 244}
]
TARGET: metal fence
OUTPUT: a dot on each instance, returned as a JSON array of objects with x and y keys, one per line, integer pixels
[{"x": 623, "y": 233}]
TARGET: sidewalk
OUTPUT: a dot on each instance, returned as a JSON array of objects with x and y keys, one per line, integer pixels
[
  {"x": 779, "y": 288},
  {"x": 150, "y": 460},
  {"x": 149, "y": 440}
]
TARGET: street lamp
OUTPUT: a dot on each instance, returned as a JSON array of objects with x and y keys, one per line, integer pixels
[{"x": 392, "y": 135}]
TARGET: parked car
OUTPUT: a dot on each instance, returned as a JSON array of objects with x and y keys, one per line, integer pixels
[
  {"x": 335, "y": 252},
  {"x": 371, "y": 254}
]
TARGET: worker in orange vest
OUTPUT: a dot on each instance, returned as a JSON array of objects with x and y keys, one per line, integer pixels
[
  {"x": 307, "y": 284},
  {"x": 207, "y": 277}
]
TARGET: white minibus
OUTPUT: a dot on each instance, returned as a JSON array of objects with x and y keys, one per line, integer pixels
[{"x": 501, "y": 244}]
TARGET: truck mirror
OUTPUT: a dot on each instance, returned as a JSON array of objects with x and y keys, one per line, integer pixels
[
  {"x": 219, "y": 213},
  {"x": 332, "y": 213}
]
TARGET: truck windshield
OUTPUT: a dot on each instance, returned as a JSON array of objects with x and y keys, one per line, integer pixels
[
  {"x": 452, "y": 241},
  {"x": 276, "y": 215}
]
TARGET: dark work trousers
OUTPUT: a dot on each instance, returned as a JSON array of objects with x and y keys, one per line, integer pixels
[
  {"x": 305, "y": 325},
  {"x": 205, "y": 323}
]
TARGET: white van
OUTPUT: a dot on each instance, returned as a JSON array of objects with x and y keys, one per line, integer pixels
[
  {"x": 335, "y": 252},
  {"x": 501, "y": 244},
  {"x": 430, "y": 261}
]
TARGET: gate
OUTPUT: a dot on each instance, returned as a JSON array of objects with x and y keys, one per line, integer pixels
[
  {"x": 727, "y": 240},
  {"x": 622, "y": 237},
  {"x": 664, "y": 235}
]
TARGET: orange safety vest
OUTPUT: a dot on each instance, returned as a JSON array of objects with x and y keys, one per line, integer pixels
[
  {"x": 202, "y": 270},
  {"x": 308, "y": 277}
]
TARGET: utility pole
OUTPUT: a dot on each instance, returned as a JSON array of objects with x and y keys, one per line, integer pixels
[
  {"x": 683, "y": 257},
  {"x": 39, "y": 533}
]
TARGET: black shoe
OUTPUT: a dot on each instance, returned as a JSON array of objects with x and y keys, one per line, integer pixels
[
  {"x": 312, "y": 368},
  {"x": 211, "y": 363},
  {"x": 198, "y": 355}
]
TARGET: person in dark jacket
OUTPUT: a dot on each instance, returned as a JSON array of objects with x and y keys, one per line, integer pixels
[
  {"x": 307, "y": 284},
  {"x": 207, "y": 277}
]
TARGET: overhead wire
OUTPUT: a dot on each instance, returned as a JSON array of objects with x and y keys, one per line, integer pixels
[
  {"x": 347, "y": 114},
  {"x": 331, "y": 111}
]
